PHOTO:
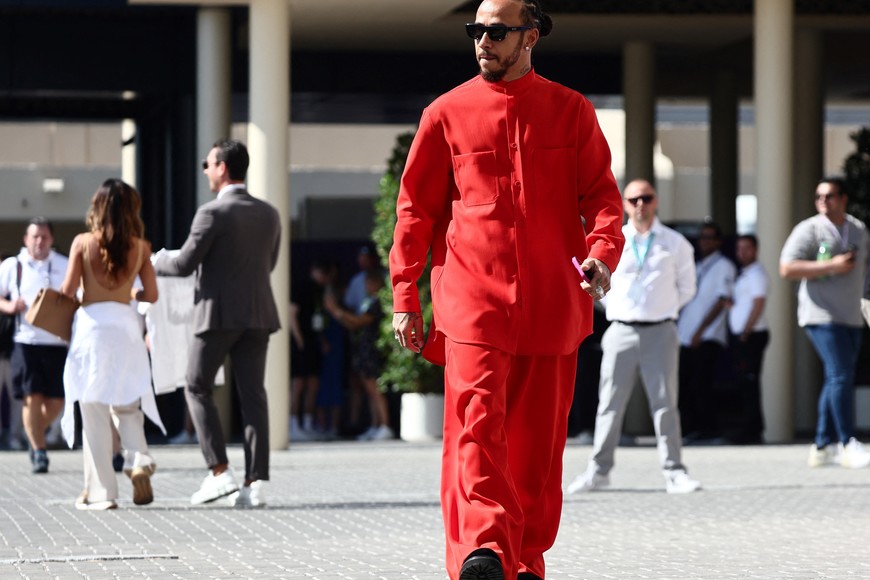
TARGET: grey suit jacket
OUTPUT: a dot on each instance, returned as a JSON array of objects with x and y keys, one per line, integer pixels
[{"x": 233, "y": 246}]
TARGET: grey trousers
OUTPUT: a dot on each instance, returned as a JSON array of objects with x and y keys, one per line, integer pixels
[
  {"x": 650, "y": 353},
  {"x": 247, "y": 352}
]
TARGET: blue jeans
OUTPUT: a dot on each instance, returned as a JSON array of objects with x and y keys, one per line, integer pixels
[{"x": 838, "y": 347}]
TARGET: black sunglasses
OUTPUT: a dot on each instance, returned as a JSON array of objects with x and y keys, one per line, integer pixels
[
  {"x": 205, "y": 164},
  {"x": 496, "y": 32},
  {"x": 646, "y": 199}
]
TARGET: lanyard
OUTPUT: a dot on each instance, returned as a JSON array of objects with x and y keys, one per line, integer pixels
[{"x": 640, "y": 257}]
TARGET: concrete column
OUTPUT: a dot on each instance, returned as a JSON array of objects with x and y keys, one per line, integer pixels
[
  {"x": 129, "y": 152},
  {"x": 213, "y": 57},
  {"x": 774, "y": 23},
  {"x": 809, "y": 120},
  {"x": 129, "y": 147},
  {"x": 724, "y": 151},
  {"x": 638, "y": 73},
  {"x": 268, "y": 177},
  {"x": 809, "y": 139},
  {"x": 213, "y": 89},
  {"x": 638, "y": 77}
]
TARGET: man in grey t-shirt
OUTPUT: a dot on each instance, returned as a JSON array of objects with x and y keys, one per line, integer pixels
[{"x": 829, "y": 254}]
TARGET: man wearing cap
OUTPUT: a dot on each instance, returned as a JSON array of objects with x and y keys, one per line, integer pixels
[{"x": 507, "y": 180}]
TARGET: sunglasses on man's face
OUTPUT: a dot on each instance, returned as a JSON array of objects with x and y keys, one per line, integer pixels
[
  {"x": 496, "y": 32},
  {"x": 646, "y": 199}
]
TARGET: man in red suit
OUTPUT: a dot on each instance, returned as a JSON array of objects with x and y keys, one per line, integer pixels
[{"x": 507, "y": 180}]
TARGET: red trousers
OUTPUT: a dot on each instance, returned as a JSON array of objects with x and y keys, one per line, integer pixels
[{"x": 505, "y": 425}]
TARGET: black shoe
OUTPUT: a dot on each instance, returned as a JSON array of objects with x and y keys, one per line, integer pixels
[
  {"x": 118, "y": 462},
  {"x": 482, "y": 564},
  {"x": 39, "y": 461},
  {"x": 528, "y": 576}
]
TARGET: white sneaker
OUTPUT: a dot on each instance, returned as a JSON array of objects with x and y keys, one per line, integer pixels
[
  {"x": 184, "y": 438},
  {"x": 827, "y": 455},
  {"x": 330, "y": 434},
  {"x": 367, "y": 436},
  {"x": 16, "y": 444},
  {"x": 853, "y": 454},
  {"x": 584, "y": 438},
  {"x": 588, "y": 481},
  {"x": 298, "y": 434},
  {"x": 215, "y": 487},
  {"x": 383, "y": 433},
  {"x": 678, "y": 481},
  {"x": 249, "y": 496}
]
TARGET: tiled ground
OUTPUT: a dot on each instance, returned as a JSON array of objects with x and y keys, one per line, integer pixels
[{"x": 370, "y": 510}]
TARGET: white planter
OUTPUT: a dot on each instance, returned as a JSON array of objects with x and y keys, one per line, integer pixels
[{"x": 422, "y": 417}]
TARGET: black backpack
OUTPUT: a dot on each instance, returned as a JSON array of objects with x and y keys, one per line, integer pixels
[{"x": 9, "y": 322}]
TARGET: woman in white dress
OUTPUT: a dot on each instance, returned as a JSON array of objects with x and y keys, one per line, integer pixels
[{"x": 107, "y": 369}]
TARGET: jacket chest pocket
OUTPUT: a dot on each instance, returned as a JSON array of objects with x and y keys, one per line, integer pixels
[{"x": 476, "y": 177}]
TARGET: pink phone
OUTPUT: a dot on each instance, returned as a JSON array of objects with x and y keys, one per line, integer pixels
[{"x": 581, "y": 271}]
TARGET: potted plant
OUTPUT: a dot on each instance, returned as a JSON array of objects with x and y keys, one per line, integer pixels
[{"x": 420, "y": 383}]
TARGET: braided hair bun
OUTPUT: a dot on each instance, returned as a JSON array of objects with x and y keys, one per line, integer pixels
[{"x": 537, "y": 16}]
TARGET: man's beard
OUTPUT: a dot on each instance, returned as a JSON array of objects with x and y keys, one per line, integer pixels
[{"x": 509, "y": 61}]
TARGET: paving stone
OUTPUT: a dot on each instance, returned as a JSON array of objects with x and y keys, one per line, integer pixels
[{"x": 348, "y": 510}]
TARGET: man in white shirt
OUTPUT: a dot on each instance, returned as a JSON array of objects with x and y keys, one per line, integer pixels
[
  {"x": 38, "y": 357},
  {"x": 749, "y": 336},
  {"x": 703, "y": 336},
  {"x": 655, "y": 278}
]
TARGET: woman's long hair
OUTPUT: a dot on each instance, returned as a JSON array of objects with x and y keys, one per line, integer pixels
[{"x": 114, "y": 218}]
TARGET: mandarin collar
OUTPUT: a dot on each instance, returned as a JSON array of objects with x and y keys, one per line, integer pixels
[{"x": 514, "y": 87}]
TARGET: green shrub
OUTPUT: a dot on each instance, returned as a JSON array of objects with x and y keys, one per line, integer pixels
[{"x": 404, "y": 370}]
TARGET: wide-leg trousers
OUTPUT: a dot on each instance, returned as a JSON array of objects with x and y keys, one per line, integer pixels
[
  {"x": 97, "y": 418},
  {"x": 505, "y": 425}
]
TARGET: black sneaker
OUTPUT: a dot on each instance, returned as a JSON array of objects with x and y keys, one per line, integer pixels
[
  {"x": 39, "y": 461},
  {"x": 482, "y": 564}
]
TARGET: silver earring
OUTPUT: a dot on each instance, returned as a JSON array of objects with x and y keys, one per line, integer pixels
[{"x": 528, "y": 48}]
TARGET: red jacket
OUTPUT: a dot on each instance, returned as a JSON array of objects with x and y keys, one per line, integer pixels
[{"x": 496, "y": 182}]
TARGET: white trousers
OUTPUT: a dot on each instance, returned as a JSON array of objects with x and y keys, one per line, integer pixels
[{"x": 97, "y": 418}]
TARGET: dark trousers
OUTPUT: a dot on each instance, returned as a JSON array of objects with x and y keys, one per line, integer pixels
[
  {"x": 747, "y": 357},
  {"x": 247, "y": 352},
  {"x": 697, "y": 378}
]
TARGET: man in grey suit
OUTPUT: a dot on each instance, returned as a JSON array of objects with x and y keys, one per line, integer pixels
[{"x": 233, "y": 247}]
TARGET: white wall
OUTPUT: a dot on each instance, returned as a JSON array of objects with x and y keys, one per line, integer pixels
[{"x": 344, "y": 161}]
